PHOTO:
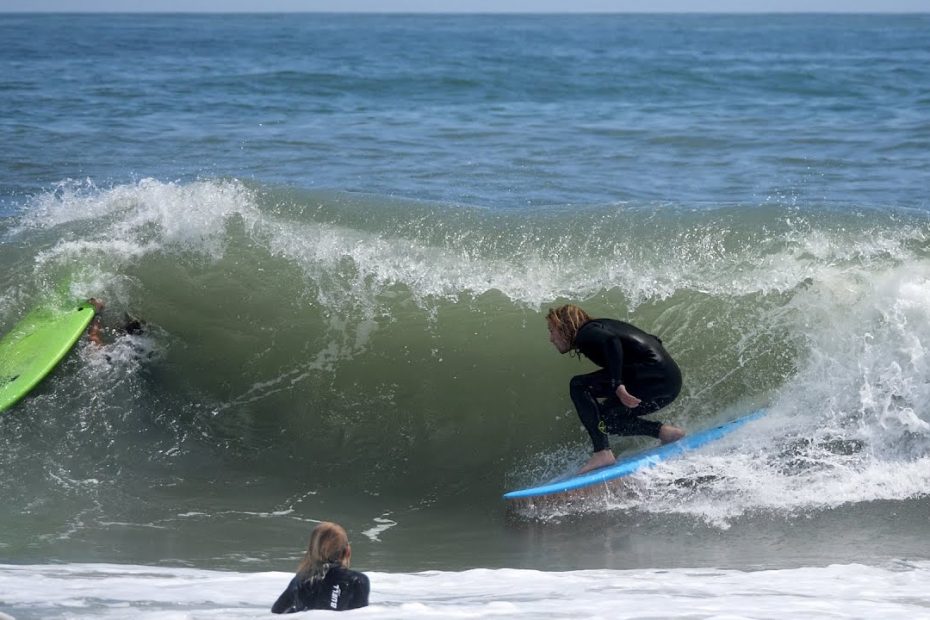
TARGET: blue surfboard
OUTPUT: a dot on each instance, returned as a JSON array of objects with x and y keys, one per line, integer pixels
[{"x": 635, "y": 462}]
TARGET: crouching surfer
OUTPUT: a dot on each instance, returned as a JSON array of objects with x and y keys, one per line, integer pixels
[
  {"x": 323, "y": 579},
  {"x": 637, "y": 377}
]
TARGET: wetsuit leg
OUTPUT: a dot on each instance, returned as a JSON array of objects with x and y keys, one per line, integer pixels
[
  {"x": 621, "y": 420},
  {"x": 657, "y": 385},
  {"x": 585, "y": 390}
]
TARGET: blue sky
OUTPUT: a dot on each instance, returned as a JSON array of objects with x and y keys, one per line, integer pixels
[{"x": 470, "y": 6}]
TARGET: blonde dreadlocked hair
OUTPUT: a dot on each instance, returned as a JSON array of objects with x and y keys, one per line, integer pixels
[{"x": 568, "y": 319}]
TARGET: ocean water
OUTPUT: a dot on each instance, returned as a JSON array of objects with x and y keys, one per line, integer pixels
[{"x": 344, "y": 232}]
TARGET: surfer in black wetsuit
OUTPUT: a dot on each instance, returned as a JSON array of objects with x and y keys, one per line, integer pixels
[
  {"x": 323, "y": 579},
  {"x": 95, "y": 332},
  {"x": 637, "y": 377}
]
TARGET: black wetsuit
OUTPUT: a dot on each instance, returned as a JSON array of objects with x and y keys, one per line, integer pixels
[
  {"x": 340, "y": 589},
  {"x": 628, "y": 356}
]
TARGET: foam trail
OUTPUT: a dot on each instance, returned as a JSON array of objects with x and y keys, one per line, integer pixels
[{"x": 120, "y": 591}]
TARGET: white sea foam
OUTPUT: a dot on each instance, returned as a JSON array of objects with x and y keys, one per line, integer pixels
[
  {"x": 851, "y": 425},
  {"x": 189, "y": 214},
  {"x": 382, "y": 524},
  {"x": 898, "y": 590},
  {"x": 531, "y": 264}
]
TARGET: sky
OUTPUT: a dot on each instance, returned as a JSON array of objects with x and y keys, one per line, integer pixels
[{"x": 472, "y": 6}]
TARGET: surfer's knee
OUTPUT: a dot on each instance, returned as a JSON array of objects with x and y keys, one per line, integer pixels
[{"x": 578, "y": 384}]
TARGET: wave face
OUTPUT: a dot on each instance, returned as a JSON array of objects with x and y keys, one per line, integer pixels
[{"x": 381, "y": 358}]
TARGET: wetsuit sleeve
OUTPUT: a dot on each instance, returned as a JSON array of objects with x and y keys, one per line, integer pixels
[
  {"x": 605, "y": 345},
  {"x": 357, "y": 592},
  {"x": 287, "y": 602}
]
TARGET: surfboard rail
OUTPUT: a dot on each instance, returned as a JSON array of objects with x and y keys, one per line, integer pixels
[
  {"x": 35, "y": 346},
  {"x": 636, "y": 462}
]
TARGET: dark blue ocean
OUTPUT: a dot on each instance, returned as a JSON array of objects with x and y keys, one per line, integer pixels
[
  {"x": 343, "y": 233},
  {"x": 504, "y": 112}
]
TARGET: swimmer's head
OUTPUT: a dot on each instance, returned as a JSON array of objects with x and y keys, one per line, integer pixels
[
  {"x": 133, "y": 326},
  {"x": 329, "y": 546}
]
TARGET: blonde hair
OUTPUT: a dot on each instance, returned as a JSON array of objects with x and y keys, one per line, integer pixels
[
  {"x": 568, "y": 319},
  {"x": 329, "y": 546}
]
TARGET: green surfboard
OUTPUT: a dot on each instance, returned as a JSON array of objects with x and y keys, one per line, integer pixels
[{"x": 34, "y": 347}]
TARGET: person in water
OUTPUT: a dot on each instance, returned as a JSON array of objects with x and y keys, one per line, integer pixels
[
  {"x": 95, "y": 332},
  {"x": 637, "y": 377},
  {"x": 323, "y": 579}
]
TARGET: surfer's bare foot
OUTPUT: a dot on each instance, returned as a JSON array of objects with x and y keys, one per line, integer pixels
[
  {"x": 669, "y": 433},
  {"x": 599, "y": 459}
]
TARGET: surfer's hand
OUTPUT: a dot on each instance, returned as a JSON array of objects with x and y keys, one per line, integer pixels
[
  {"x": 94, "y": 332},
  {"x": 96, "y": 303},
  {"x": 626, "y": 398}
]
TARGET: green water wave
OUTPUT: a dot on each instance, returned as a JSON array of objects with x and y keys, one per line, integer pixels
[{"x": 325, "y": 330}]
